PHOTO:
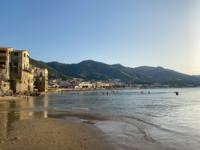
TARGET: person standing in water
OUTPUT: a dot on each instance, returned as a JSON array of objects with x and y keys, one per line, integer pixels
[{"x": 107, "y": 92}]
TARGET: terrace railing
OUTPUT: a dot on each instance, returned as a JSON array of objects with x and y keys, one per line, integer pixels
[{"x": 3, "y": 55}]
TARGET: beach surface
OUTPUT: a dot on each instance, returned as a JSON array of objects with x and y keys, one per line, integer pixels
[{"x": 53, "y": 134}]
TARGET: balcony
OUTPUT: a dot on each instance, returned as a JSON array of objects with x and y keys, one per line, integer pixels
[
  {"x": 3, "y": 55},
  {"x": 2, "y": 65}
]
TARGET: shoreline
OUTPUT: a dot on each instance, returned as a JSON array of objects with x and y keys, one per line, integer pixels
[
  {"x": 54, "y": 134},
  {"x": 75, "y": 91}
]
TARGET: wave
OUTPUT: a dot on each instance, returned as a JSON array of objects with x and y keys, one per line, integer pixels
[{"x": 81, "y": 108}]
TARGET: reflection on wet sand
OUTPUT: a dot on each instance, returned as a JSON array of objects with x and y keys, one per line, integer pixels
[{"x": 18, "y": 110}]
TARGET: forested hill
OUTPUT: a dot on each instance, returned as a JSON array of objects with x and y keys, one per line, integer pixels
[
  {"x": 90, "y": 69},
  {"x": 52, "y": 73},
  {"x": 94, "y": 70}
]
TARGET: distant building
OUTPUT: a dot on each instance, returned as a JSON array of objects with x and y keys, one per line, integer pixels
[
  {"x": 117, "y": 80},
  {"x": 53, "y": 85},
  {"x": 100, "y": 85},
  {"x": 85, "y": 85}
]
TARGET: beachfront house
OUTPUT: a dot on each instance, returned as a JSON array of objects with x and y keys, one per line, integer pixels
[
  {"x": 15, "y": 71},
  {"x": 53, "y": 85},
  {"x": 41, "y": 79},
  {"x": 85, "y": 85}
]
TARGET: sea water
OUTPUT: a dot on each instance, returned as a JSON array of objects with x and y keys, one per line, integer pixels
[{"x": 159, "y": 120}]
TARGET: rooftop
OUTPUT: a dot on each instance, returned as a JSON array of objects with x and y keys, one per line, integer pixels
[
  {"x": 5, "y": 47},
  {"x": 20, "y": 51}
]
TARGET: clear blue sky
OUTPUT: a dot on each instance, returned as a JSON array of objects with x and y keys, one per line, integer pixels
[{"x": 130, "y": 32}]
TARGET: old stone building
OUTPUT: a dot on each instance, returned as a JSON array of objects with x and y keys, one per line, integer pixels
[
  {"x": 20, "y": 70},
  {"x": 16, "y": 74},
  {"x": 41, "y": 79},
  {"x": 5, "y": 70}
]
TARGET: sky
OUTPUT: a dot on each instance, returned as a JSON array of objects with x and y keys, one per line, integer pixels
[{"x": 130, "y": 32}]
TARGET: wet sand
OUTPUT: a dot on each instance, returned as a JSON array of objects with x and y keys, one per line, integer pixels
[
  {"x": 11, "y": 98},
  {"x": 53, "y": 134}
]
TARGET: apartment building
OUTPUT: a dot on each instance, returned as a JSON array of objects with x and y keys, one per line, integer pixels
[{"x": 15, "y": 72}]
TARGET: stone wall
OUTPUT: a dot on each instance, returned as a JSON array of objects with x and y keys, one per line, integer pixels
[
  {"x": 22, "y": 59},
  {"x": 4, "y": 86},
  {"x": 5, "y": 72},
  {"x": 16, "y": 87},
  {"x": 16, "y": 73},
  {"x": 41, "y": 84},
  {"x": 27, "y": 80}
]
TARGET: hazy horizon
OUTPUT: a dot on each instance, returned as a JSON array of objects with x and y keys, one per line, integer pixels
[{"x": 131, "y": 33}]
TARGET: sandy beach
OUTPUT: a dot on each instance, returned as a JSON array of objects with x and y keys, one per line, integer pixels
[
  {"x": 53, "y": 134},
  {"x": 11, "y": 98}
]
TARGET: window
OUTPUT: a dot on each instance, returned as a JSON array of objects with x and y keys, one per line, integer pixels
[
  {"x": 24, "y": 55},
  {"x": 2, "y": 51},
  {"x": 4, "y": 85},
  {"x": 28, "y": 81},
  {"x": 16, "y": 64},
  {"x": 2, "y": 64},
  {"x": 16, "y": 54},
  {"x": 24, "y": 82},
  {"x": 40, "y": 73}
]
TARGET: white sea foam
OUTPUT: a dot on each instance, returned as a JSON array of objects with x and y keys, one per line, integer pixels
[{"x": 81, "y": 108}]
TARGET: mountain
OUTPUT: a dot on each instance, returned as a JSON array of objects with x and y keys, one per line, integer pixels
[
  {"x": 90, "y": 69},
  {"x": 51, "y": 72},
  {"x": 160, "y": 73}
]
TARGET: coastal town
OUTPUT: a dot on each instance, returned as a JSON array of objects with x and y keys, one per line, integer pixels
[
  {"x": 99, "y": 75},
  {"x": 17, "y": 75},
  {"x": 77, "y": 83}
]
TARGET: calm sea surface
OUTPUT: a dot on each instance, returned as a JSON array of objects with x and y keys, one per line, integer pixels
[{"x": 159, "y": 120}]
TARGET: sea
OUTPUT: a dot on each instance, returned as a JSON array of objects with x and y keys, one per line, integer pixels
[{"x": 158, "y": 119}]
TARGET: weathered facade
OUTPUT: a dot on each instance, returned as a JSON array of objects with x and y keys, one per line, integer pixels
[
  {"x": 41, "y": 79},
  {"x": 5, "y": 60},
  {"x": 20, "y": 70},
  {"x": 14, "y": 69},
  {"x": 4, "y": 85}
]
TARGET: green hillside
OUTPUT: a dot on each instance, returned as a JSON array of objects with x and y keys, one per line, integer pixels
[
  {"x": 99, "y": 71},
  {"x": 93, "y": 70},
  {"x": 51, "y": 72},
  {"x": 160, "y": 73},
  {"x": 90, "y": 69}
]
